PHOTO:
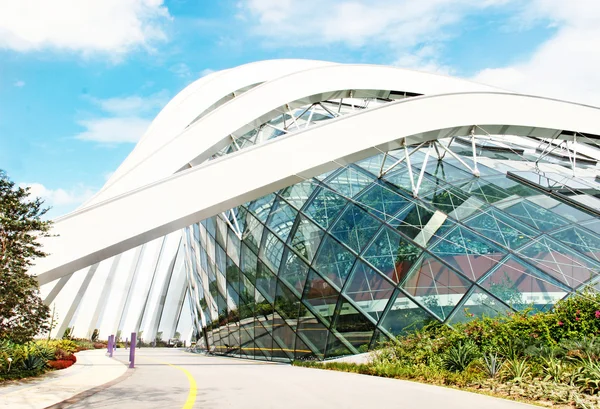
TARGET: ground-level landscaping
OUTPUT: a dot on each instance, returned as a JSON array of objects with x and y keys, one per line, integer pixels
[{"x": 550, "y": 358}]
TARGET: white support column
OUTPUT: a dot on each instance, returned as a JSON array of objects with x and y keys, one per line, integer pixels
[
  {"x": 410, "y": 172},
  {"x": 474, "y": 147}
]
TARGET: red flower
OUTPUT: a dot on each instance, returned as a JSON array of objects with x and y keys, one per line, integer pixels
[
  {"x": 597, "y": 314},
  {"x": 560, "y": 323},
  {"x": 577, "y": 319}
]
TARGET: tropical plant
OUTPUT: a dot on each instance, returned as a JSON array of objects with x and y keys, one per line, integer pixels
[
  {"x": 516, "y": 370},
  {"x": 95, "y": 335},
  {"x": 33, "y": 362},
  {"x": 459, "y": 356},
  {"x": 554, "y": 370},
  {"x": 492, "y": 365}
]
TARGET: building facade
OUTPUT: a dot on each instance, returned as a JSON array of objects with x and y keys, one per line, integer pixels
[{"x": 307, "y": 210}]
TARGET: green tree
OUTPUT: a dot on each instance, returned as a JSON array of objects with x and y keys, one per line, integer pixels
[{"x": 23, "y": 314}]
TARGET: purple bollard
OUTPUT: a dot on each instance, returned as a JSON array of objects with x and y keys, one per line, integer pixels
[
  {"x": 108, "y": 347},
  {"x": 111, "y": 345},
  {"x": 132, "y": 350}
]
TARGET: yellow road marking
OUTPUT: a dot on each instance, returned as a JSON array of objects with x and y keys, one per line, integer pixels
[{"x": 191, "y": 399}]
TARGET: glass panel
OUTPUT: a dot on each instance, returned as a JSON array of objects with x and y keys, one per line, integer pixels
[
  {"x": 355, "y": 227},
  {"x": 325, "y": 207},
  {"x": 287, "y": 305},
  {"x": 349, "y": 182},
  {"x": 478, "y": 304},
  {"x": 412, "y": 220},
  {"x": 454, "y": 202},
  {"x": 356, "y": 328},
  {"x": 304, "y": 353},
  {"x": 266, "y": 282},
  {"x": 444, "y": 171},
  {"x": 435, "y": 285},
  {"x": 468, "y": 253},
  {"x": 298, "y": 194},
  {"x": 484, "y": 190},
  {"x": 334, "y": 261},
  {"x": 248, "y": 264},
  {"x": 271, "y": 251},
  {"x": 373, "y": 164},
  {"x": 581, "y": 240},
  {"x": 285, "y": 338},
  {"x": 221, "y": 231},
  {"x": 282, "y": 219},
  {"x": 336, "y": 347},
  {"x": 307, "y": 238},
  {"x": 369, "y": 290},
  {"x": 382, "y": 201},
  {"x": 293, "y": 272},
  {"x": 321, "y": 296},
  {"x": 404, "y": 316},
  {"x": 261, "y": 207},
  {"x": 233, "y": 246},
  {"x": 262, "y": 338},
  {"x": 535, "y": 216},
  {"x": 253, "y": 233},
  {"x": 391, "y": 254},
  {"x": 379, "y": 339},
  {"x": 560, "y": 262},
  {"x": 401, "y": 178},
  {"x": 502, "y": 229},
  {"x": 522, "y": 286},
  {"x": 312, "y": 332}
]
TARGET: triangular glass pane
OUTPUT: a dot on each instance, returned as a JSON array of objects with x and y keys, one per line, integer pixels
[
  {"x": 435, "y": 285},
  {"x": 400, "y": 177},
  {"x": 325, "y": 207},
  {"x": 412, "y": 220},
  {"x": 282, "y": 219},
  {"x": 522, "y": 286},
  {"x": 484, "y": 190},
  {"x": 581, "y": 240},
  {"x": 445, "y": 172},
  {"x": 502, "y": 229},
  {"x": 535, "y": 215},
  {"x": 382, "y": 201},
  {"x": 373, "y": 164},
  {"x": 404, "y": 316},
  {"x": 285, "y": 337},
  {"x": 560, "y": 262},
  {"x": 266, "y": 282},
  {"x": 271, "y": 251},
  {"x": 468, "y": 253},
  {"x": 369, "y": 290},
  {"x": 303, "y": 352},
  {"x": 454, "y": 202},
  {"x": 355, "y": 327},
  {"x": 293, "y": 272},
  {"x": 253, "y": 233},
  {"x": 307, "y": 238},
  {"x": 477, "y": 305},
  {"x": 379, "y": 339},
  {"x": 298, "y": 194},
  {"x": 355, "y": 227},
  {"x": 336, "y": 348},
  {"x": 391, "y": 254},
  {"x": 249, "y": 262},
  {"x": 287, "y": 305},
  {"x": 320, "y": 296},
  {"x": 349, "y": 182},
  {"x": 263, "y": 339},
  {"x": 313, "y": 332},
  {"x": 262, "y": 207},
  {"x": 334, "y": 261}
]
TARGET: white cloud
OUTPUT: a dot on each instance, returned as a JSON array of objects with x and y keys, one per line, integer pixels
[
  {"x": 126, "y": 121},
  {"x": 181, "y": 69},
  {"x": 424, "y": 59},
  {"x": 113, "y": 130},
  {"x": 566, "y": 65},
  {"x": 19, "y": 84},
  {"x": 356, "y": 23},
  {"x": 107, "y": 26},
  {"x": 61, "y": 200}
]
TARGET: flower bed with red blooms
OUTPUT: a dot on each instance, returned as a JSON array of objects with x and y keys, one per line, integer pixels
[{"x": 63, "y": 363}]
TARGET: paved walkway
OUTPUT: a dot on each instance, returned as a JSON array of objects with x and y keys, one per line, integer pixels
[
  {"x": 167, "y": 378},
  {"x": 91, "y": 370}
]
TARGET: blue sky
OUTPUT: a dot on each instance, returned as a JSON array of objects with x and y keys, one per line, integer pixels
[{"x": 79, "y": 83}]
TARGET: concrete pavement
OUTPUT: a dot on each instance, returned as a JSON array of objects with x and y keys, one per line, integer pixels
[
  {"x": 91, "y": 370},
  {"x": 165, "y": 378}
]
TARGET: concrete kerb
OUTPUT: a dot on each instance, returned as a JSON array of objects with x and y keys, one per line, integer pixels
[{"x": 92, "y": 372}]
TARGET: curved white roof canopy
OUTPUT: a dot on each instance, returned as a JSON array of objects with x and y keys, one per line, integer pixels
[
  {"x": 103, "y": 230},
  {"x": 205, "y": 137}
]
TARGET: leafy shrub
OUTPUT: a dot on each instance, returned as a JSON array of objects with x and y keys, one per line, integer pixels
[
  {"x": 33, "y": 362},
  {"x": 492, "y": 365},
  {"x": 459, "y": 356}
]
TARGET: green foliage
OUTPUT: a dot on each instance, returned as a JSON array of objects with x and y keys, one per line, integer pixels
[
  {"x": 458, "y": 357},
  {"x": 516, "y": 370},
  {"x": 23, "y": 315},
  {"x": 491, "y": 365}
]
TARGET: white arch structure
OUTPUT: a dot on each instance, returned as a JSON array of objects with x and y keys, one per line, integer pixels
[{"x": 150, "y": 198}]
